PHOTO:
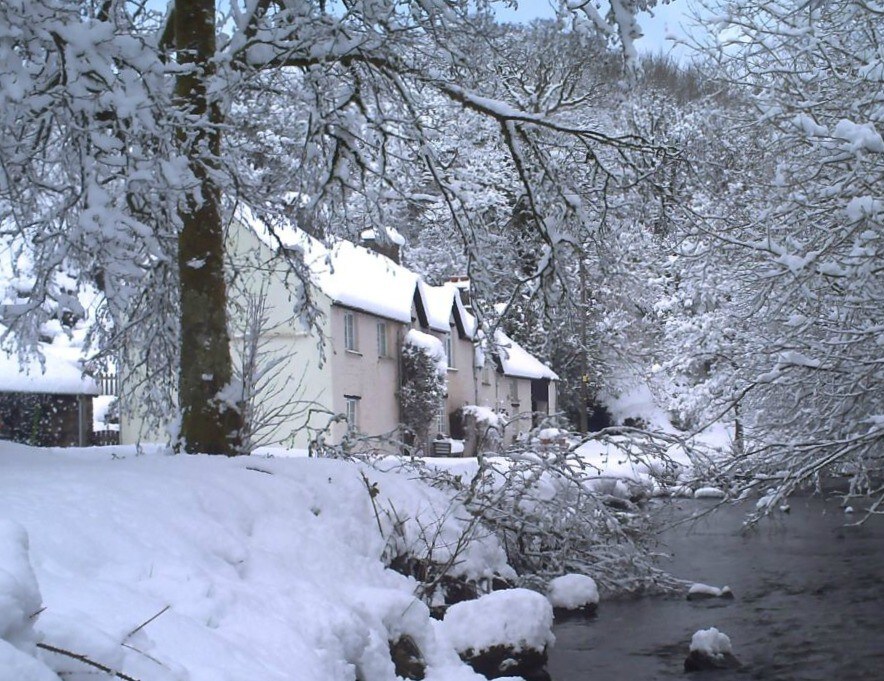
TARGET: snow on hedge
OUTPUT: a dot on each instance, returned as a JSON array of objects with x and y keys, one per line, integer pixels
[
  {"x": 573, "y": 591},
  {"x": 430, "y": 346},
  {"x": 516, "y": 618},
  {"x": 253, "y": 567},
  {"x": 485, "y": 416}
]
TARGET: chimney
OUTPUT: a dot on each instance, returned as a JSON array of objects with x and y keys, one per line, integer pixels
[
  {"x": 462, "y": 283},
  {"x": 389, "y": 245}
]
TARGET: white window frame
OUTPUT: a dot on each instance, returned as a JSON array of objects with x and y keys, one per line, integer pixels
[
  {"x": 351, "y": 338},
  {"x": 449, "y": 351},
  {"x": 351, "y": 411},
  {"x": 514, "y": 390},
  {"x": 441, "y": 419},
  {"x": 383, "y": 345}
]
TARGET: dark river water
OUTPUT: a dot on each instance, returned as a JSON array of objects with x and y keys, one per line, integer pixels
[{"x": 809, "y": 602}]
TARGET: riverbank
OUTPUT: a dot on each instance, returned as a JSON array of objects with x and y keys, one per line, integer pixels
[{"x": 203, "y": 568}]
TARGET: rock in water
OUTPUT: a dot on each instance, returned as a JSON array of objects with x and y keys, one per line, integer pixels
[
  {"x": 699, "y": 592},
  {"x": 710, "y": 649},
  {"x": 573, "y": 595},
  {"x": 503, "y": 633}
]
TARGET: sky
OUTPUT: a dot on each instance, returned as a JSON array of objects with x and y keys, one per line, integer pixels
[{"x": 666, "y": 19}]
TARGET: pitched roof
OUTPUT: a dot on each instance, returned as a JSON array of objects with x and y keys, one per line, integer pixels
[
  {"x": 350, "y": 275},
  {"x": 517, "y": 361}
]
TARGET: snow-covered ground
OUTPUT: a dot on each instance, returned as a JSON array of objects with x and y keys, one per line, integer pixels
[
  {"x": 212, "y": 569},
  {"x": 206, "y": 568}
]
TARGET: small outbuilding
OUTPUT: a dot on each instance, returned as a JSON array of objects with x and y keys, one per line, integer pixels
[{"x": 46, "y": 404}]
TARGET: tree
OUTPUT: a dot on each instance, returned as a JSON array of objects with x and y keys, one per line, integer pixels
[
  {"x": 129, "y": 137},
  {"x": 807, "y": 247},
  {"x": 208, "y": 422}
]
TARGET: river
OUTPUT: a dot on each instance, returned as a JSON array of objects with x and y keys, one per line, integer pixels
[{"x": 809, "y": 602}]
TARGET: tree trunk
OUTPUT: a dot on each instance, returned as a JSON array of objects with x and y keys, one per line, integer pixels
[
  {"x": 583, "y": 416},
  {"x": 208, "y": 424}
]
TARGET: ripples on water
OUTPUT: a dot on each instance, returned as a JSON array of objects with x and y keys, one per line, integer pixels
[{"x": 809, "y": 603}]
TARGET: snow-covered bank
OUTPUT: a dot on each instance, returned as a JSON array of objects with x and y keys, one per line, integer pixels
[{"x": 207, "y": 568}]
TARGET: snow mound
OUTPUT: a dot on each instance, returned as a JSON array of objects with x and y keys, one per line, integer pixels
[
  {"x": 518, "y": 619},
  {"x": 213, "y": 569},
  {"x": 20, "y": 596},
  {"x": 711, "y": 642},
  {"x": 573, "y": 591},
  {"x": 709, "y": 493}
]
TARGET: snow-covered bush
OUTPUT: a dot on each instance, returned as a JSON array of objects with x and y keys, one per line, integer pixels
[
  {"x": 552, "y": 517},
  {"x": 484, "y": 426},
  {"x": 423, "y": 384}
]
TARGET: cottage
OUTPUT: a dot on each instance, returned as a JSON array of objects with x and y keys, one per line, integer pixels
[{"x": 335, "y": 369}]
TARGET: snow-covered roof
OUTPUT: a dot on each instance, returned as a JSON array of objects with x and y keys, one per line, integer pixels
[
  {"x": 60, "y": 375},
  {"x": 514, "y": 360},
  {"x": 517, "y": 361},
  {"x": 348, "y": 274},
  {"x": 360, "y": 278},
  {"x": 437, "y": 302},
  {"x": 392, "y": 235}
]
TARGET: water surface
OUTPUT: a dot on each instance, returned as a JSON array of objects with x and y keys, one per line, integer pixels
[{"x": 809, "y": 602}]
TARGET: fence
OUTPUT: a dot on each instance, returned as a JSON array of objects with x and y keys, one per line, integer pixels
[
  {"x": 108, "y": 384},
  {"x": 104, "y": 438}
]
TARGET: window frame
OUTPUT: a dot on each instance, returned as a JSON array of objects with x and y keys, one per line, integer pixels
[
  {"x": 351, "y": 411},
  {"x": 383, "y": 339},
  {"x": 351, "y": 337},
  {"x": 514, "y": 391}
]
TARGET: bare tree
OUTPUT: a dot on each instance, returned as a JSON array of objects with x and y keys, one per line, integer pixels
[{"x": 269, "y": 397}]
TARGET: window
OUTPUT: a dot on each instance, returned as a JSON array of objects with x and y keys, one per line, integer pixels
[
  {"x": 350, "y": 331},
  {"x": 382, "y": 339},
  {"x": 486, "y": 374},
  {"x": 514, "y": 391},
  {"x": 352, "y": 412},
  {"x": 441, "y": 421},
  {"x": 449, "y": 351}
]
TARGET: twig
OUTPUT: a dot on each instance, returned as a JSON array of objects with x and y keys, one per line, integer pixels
[
  {"x": 372, "y": 493},
  {"x": 85, "y": 660},
  {"x": 145, "y": 623}
]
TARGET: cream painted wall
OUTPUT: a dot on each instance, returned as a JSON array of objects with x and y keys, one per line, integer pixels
[
  {"x": 364, "y": 373},
  {"x": 298, "y": 381},
  {"x": 461, "y": 383}
]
